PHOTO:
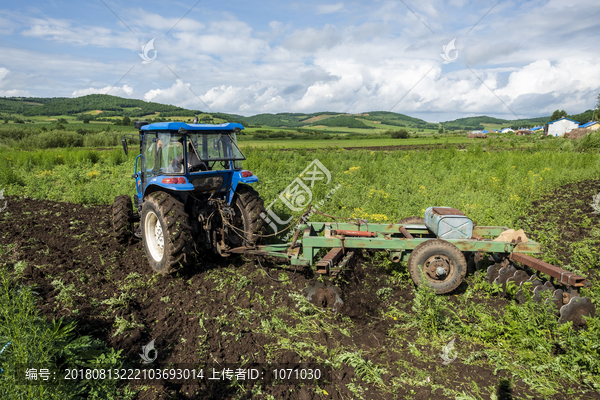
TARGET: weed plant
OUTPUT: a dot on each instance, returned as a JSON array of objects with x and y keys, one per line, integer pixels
[{"x": 32, "y": 342}]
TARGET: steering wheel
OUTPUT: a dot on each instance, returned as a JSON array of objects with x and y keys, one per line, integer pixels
[{"x": 174, "y": 166}]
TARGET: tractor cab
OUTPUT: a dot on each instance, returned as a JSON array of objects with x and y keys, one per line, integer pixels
[{"x": 188, "y": 158}]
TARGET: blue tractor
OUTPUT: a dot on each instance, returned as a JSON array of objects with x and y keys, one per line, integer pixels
[{"x": 191, "y": 193}]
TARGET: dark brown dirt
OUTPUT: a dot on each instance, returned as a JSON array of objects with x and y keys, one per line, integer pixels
[
  {"x": 564, "y": 222},
  {"x": 190, "y": 313},
  {"x": 569, "y": 208}
]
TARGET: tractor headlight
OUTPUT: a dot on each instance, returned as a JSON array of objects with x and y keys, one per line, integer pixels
[{"x": 209, "y": 183}]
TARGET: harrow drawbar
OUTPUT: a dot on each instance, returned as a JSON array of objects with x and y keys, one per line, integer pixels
[{"x": 440, "y": 248}]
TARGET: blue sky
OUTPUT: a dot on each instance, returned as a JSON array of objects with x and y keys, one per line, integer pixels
[{"x": 511, "y": 59}]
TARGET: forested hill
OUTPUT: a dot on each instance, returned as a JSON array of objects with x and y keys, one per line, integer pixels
[
  {"x": 105, "y": 107},
  {"x": 109, "y": 105},
  {"x": 581, "y": 117},
  {"x": 96, "y": 106}
]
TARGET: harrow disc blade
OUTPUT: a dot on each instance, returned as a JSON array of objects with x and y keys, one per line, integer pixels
[
  {"x": 577, "y": 308},
  {"x": 322, "y": 295},
  {"x": 492, "y": 272},
  {"x": 535, "y": 282},
  {"x": 518, "y": 278},
  {"x": 537, "y": 292},
  {"x": 557, "y": 298},
  {"x": 504, "y": 274}
]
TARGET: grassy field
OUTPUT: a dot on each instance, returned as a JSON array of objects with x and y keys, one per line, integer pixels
[
  {"x": 387, "y": 341},
  {"x": 337, "y": 143}
]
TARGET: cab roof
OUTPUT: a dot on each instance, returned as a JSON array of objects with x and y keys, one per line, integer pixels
[{"x": 175, "y": 126}]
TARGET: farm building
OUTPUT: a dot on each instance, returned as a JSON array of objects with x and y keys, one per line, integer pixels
[
  {"x": 560, "y": 127},
  {"x": 593, "y": 125}
]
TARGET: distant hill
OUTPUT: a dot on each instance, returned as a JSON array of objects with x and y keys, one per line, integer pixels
[
  {"x": 109, "y": 105},
  {"x": 471, "y": 121},
  {"x": 477, "y": 120},
  {"x": 102, "y": 106},
  {"x": 343, "y": 121}
]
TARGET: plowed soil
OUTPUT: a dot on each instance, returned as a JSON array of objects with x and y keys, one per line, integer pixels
[{"x": 197, "y": 314}]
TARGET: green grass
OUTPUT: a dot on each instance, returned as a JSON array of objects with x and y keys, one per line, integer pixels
[
  {"x": 33, "y": 342},
  {"x": 491, "y": 187}
]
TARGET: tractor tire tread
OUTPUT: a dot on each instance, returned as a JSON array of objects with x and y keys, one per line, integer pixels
[
  {"x": 122, "y": 212},
  {"x": 180, "y": 240},
  {"x": 254, "y": 206}
]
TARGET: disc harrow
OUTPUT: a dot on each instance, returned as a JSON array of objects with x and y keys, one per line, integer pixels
[
  {"x": 436, "y": 249},
  {"x": 568, "y": 303}
]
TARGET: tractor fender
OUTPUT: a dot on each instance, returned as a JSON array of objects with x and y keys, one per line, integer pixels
[
  {"x": 236, "y": 179},
  {"x": 155, "y": 184}
]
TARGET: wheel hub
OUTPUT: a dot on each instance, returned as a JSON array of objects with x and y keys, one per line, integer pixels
[
  {"x": 437, "y": 267},
  {"x": 158, "y": 233},
  {"x": 154, "y": 236}
]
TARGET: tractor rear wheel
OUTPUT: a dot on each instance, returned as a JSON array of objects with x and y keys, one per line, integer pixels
[
  {"x": 443, "y": 264},
  {"x": 122, "y": 215},
  {"x": 166, "y": 232},
  {"x": 248, "y": 206}
]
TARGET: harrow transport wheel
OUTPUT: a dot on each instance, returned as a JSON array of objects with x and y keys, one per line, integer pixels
[
  {"x": 412, "y": 221},
  {"x": 122, "y": 214},
  {"x": 248, "y": 206},
  {"x": 443, "y": 263},
  {"x": 166, "y": 232}
]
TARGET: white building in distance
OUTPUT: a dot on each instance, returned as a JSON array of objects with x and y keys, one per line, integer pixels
[{"x": 561, "y": 126}]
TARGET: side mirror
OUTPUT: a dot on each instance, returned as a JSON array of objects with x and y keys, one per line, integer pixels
[{"x": 125, "y": 149}]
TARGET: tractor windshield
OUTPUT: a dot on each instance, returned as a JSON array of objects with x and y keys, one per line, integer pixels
[{"x": 215, "y": 146}]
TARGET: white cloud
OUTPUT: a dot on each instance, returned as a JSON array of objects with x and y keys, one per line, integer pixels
[
  {"x": 14, "y": 92},
  {"x": 4, "y": 73},
  {"x": 179, "y": 93},
  {"x": 124, "y": 90},
  {"x": 329, "y": 8},
  {"x": 65, "y": 31},
  {"x": 310, "y": 40}
]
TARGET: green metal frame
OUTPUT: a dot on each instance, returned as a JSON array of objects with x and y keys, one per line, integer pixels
[{"x": 317, "y": 235}]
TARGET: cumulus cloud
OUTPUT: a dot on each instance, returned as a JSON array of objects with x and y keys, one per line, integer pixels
[
  {"x": 124, "y": 90},
  {"x": 14, "y": 92},
  {"x": 4, "y": 73},
  {"x": 179, "y": 93}
]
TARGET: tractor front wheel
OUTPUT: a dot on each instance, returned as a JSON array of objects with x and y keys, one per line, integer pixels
[
  {"x": 166, "y": 232},
  {"x": 122, "y": 215},
  {"x": 441, "y": 263}
]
